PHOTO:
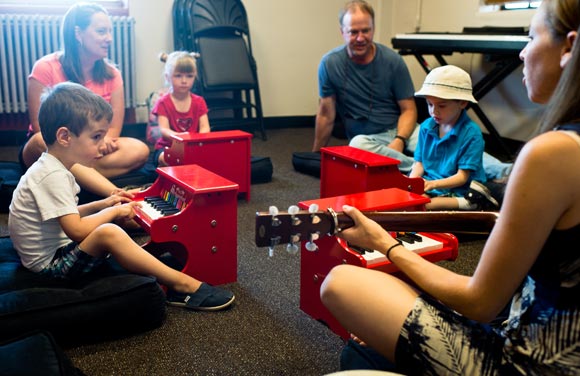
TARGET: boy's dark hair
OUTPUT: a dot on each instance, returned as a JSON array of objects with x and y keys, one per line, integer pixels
[{"x": 70, "y": 105}]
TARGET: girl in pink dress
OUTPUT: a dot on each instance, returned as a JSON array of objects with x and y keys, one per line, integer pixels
[{"x": 179, "y": 111}]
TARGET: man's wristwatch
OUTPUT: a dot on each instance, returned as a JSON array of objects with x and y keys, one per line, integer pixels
[{"x": 402, "y": 139}]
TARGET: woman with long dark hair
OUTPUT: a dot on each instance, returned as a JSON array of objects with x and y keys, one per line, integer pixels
[
  {"x": 86, "y": 37},
  {"x": 440, "y": 323}
]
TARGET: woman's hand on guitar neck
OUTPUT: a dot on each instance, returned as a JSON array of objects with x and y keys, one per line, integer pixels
[{"x": 365, "y": 233}]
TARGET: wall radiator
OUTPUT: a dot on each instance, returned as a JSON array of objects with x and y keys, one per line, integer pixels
[{"x": 26, "y": 38}]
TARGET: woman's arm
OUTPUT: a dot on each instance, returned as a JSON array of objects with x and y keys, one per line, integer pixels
[
  {"x": 530, "y": 211},
  {"x": 35, "y": 89},
  {"x": 118, "y": 106}
]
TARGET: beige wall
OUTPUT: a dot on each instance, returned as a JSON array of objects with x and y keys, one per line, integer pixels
[{"x": 289, "y": 37}]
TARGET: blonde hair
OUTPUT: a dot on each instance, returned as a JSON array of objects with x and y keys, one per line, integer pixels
[{"x": 179, "y": 61}]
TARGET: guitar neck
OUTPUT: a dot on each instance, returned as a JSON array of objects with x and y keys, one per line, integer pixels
[
  {"x": 436, "y": 221},
  {"x": 290, "y": 228}
]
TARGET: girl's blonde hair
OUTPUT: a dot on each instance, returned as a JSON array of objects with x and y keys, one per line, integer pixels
[{"x": 179, "y": 61}]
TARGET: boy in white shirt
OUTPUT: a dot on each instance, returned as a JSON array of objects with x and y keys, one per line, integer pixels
[{"x": 55, "y": 236}]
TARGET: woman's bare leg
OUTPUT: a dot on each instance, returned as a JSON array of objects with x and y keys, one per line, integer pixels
[{"x": 370, "y": 304}]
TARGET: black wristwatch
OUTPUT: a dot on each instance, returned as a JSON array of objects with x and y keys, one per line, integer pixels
[{"x": 402, "y": 139}]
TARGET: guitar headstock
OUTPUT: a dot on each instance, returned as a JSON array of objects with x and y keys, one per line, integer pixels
[{"x": 292, "y": 227}]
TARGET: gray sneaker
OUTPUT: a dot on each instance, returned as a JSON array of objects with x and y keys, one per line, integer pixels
[{"x": 206, "y": 298}]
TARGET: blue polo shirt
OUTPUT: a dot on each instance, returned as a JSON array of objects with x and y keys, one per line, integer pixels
[{"x": 461, "y": 148}]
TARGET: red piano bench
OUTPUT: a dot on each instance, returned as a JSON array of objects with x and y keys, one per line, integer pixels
[
  {"x": 226, "y": 153},
  {"x": 315, "y": 265},
  {"x": 346, "y": 170}
]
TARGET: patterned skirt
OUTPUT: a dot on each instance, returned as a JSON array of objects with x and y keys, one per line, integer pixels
[{"x": 537, "y": 339}]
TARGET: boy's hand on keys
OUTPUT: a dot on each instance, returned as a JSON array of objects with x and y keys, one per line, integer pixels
[
  {"x": 126, "y": 211},
  {"x": 125, "y": 195},
  {"x": 116, "y": 200}
]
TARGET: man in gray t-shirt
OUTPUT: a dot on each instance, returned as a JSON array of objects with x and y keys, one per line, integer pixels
[{"x": 370, "y": 87}]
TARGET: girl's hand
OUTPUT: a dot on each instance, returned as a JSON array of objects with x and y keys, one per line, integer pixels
[{"x": 365, "y": 233}]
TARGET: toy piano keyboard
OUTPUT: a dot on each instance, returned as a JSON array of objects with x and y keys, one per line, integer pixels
[{"x": 413, "y": 241}]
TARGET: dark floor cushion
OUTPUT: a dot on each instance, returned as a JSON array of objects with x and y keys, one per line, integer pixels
[
  {"x": 35, "y": 353},
  {"x": 307, "y": 162},
  {"x": 261, "y": 170},
  {"x": 107, "y": 304},
  {"x": 10, "y": 173}
]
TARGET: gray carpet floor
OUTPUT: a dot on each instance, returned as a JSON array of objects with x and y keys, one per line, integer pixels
[{"x": 265, "y": 333}]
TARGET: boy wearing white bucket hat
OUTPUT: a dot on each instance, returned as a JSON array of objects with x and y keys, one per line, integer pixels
[{"x": 450, "y": 146}]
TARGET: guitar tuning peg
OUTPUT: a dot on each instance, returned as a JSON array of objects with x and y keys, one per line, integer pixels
[
  {"x": 293, "y": 210},
  {"x": 273, "y": 211},
  {"x": 314, "y": 218},
  {"x": 294, "y": 238},
  {"x": 311, "y": 246},
  {"x": 292, "y": 248},
  {"x": 314, "y": 236}
]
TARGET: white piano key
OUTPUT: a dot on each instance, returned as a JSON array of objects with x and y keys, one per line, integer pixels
[
  {"x": 150, "y": 211},
  {"x": 428, "y": 244}
]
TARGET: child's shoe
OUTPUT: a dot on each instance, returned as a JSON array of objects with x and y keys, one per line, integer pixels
[{"x": 206, "y": 298}]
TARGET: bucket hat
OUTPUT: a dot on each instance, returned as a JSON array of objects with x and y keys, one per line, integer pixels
[{"x": 447, "y": 82}]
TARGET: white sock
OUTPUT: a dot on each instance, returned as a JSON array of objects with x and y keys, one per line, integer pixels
[{"x": 464, "y": 204}]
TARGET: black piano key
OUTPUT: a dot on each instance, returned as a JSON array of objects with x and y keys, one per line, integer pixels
[
  {"x": 414, "y": 236},
  {"x": 359, "y": 250},
  {"x": 153, "y": 199},
  {"x": 162, "y": 205},
  {"x": 170, "y": 211},
  {"x": 405, "y": 238}
]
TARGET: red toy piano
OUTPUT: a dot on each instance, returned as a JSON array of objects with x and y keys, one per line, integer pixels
[
  {"x": 191, "y": 213},
  {"x": 345, "y": 170},
  {"x": 331, "y": 251},
  {"x": 227, "y": 153}
]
